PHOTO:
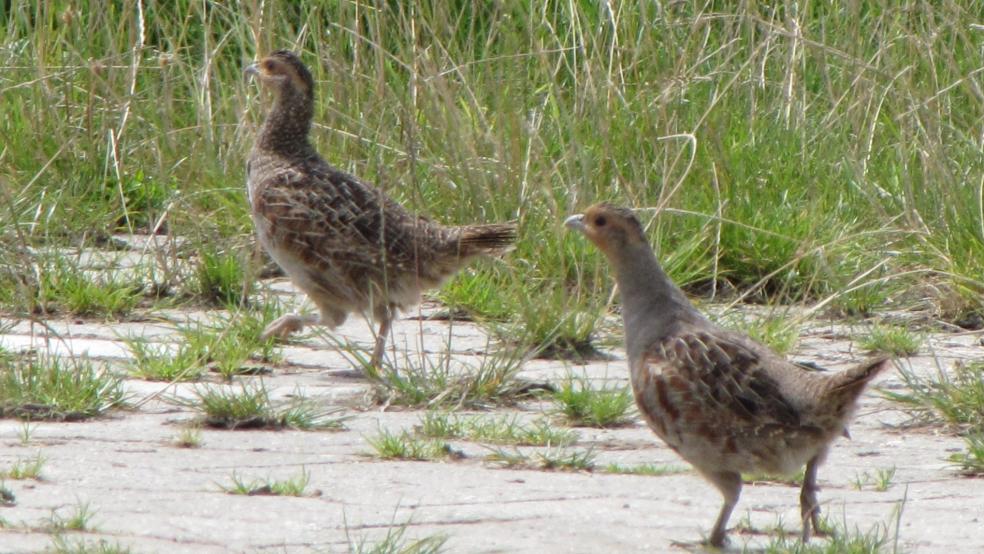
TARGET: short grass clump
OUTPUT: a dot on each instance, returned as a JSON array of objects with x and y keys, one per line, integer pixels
[
  {"x": 60, "y": 544},
  {"x": 189, "y": 437},
  {"x": 955, "y": 399},
  {"x": 163, "y": 362},
  {"x": 971, "y": 462},
  {"x": 434, "y": 382},
  {"x": 652, "y": 470},
  {"x": 29, "y": 468},
  {"x": 406, "y": 446},
  {"x": 224, "y": 346},
  {"x": 58, "y": 283},
  {"x": 56, "y": 389},
  {"x": 891, "y": 339},
  {"x": 583, "y": 405},
  {"x": 880, "y": 480},
  {"x": 840, "y": 539},
  {"x": 549, "y": 459},
  {"x": 77, "y": 519},
  {"x": 395, "y": 541},
  {"x": 250, "y": 407},
  {"x": 294, "y": 486},
  {"x": 494, "y": 430},
  {"x": 220, "y": 278}
]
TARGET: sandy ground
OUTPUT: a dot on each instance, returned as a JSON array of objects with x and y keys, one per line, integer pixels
[{"x": 151, "y": 496}]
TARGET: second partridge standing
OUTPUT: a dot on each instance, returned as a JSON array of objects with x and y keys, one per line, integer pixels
[
  {"x": 723, "y": 402},
  {"x": 343, "y": 242}
]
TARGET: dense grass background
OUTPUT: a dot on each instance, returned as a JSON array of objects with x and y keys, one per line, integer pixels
[{"x": 821, "y": 152}]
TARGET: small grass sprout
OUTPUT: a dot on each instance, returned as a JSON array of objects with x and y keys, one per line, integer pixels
[
  {"x": 891, "y": 339},
  {"x": 653, "y": 470},
  {"x": 249, "y": 406},
  {"x": 29, "y": 468},
  {"x": 294, "y": 486},
  {"x": 585, "y": 406},
  {"x": 47, "y": 387},
  {"x": 494, "y": 430},
  {"x": 405, "y": 446}
]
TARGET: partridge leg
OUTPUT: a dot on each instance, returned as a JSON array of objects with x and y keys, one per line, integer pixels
[
  {"x": 730, "y": 486},
  {"x": 384, "y": 329},
  {"x": 809, "y": 508}
]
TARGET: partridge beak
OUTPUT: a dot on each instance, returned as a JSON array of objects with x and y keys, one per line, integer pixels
[
  {"x": 251, "y": 70},
  {"x": 575, "y": 222}
]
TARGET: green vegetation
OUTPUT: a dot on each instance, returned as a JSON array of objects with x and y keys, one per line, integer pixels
[
  {"x": 250, "y": 407},
  {"x": 652, "y": 470},
  {"x": 550, "y": 459},
  {"x": 189, "y": 437},
  {"x": 825, "y": 153},
  {"x": 775, "y": 331},
  {"x": 880, "y": 480},
  {"x": 589, "y": 407},
  {"x": 881, "y": 538},
  {"x": 224, "y": 346},
  {"x": 422, "y": 379},
  {"x": 494, "y": 430},
  {"x": 78, "y": 518},
  {"x": 64, "y": 545},
  {"x": 396, "y": 542},
  {"x": 954, "y": 398},
  {"x": 294, "y": 486},
  {"x": 405, "y": 446},
  {"x": 57, "y": 389},
  {"x": 25, "y": 469},
  {"x": 891, "y": 339}
]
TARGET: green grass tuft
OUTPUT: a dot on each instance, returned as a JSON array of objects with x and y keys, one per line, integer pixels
[
  {"x": 894, "y": 340},
  {"x": 250, "y": 407},
  {"x": 589, "y": 407},
  {"x": 51, "y": 388}
]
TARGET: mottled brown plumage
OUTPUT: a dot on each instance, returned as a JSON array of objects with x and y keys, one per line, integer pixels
[
  {"x": 723, "y": 402},
  {"x": 343, "y": 242}
]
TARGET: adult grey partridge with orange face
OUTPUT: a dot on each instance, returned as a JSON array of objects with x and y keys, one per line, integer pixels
[
  {"x": 725, "y": 403},
  {"x": 342, "y": 241}
]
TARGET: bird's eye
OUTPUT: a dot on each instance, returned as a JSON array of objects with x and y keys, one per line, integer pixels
[
  {"x": 600, "y": 221},
  {"x": 268, "y": 65}
]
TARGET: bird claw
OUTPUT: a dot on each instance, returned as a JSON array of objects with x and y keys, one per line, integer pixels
[{"x": 283, "y": 327}]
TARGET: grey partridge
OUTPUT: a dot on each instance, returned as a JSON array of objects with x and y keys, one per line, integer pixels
[
  {"x": 725, "y": 403},
  {"x": 342, "y": 241}
]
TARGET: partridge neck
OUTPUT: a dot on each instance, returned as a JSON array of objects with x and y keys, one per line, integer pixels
[
  {"x": 651, "y": 303},
  {"x": 286, "y": 128}
]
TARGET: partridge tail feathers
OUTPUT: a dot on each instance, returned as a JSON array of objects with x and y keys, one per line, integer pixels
[
  {"x": 851, "y": 382},
  {"x": 475, "y": 240}
]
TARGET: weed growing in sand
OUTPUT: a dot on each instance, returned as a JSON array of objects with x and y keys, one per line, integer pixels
[
  {"x": 294, "y": 486},
  {"x": 583, "y": 405},
  {"x": 494, "y": 430},
  {"x": 405, "y": 446},
  {"x": 25, "y": 468},
  {"x": 249, "y": 406},
  {"x": 891, "y": 339},
  {"x": 57, "y": 389}
]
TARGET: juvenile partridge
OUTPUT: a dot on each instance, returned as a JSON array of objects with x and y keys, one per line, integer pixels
[
  {"x": 725, "y": 403},
  {"x": 342, "y": 241}
]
